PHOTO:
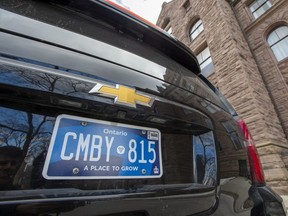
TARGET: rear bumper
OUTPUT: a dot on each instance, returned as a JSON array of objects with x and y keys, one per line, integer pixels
[
  {"x": 238, "y": 197},
  {"x": 266, "y": 202}
]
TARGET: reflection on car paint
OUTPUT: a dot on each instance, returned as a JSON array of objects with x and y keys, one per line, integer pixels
[{"x": 205, "y": 159}]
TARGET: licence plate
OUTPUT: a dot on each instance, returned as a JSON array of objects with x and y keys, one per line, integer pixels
[{"x": 82, "y": 148}]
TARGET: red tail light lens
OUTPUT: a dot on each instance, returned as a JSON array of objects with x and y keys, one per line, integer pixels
[{"x": 256, "y": 171}]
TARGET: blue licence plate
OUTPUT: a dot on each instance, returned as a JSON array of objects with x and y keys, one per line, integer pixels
[{"x": 83, "y": 148}]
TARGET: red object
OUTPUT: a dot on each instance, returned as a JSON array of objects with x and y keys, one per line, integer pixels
[
  {"x": 133, "y": 14},
  {"x": 256, "y": 170}
]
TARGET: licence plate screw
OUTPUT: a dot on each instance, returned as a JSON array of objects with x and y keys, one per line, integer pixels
[
  {"x": 143, "y": 171},
  {"x": 84, "y": 124},
  {"x": 75, "y": 171}
]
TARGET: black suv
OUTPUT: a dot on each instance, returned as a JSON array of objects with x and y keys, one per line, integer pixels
[{"x": 104, "y": 114}]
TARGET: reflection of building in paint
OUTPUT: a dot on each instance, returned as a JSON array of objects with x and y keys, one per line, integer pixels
[{"x": 242, "y": 47}]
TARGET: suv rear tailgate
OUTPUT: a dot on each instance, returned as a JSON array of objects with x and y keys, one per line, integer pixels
[{"x": 44, "y": 75}]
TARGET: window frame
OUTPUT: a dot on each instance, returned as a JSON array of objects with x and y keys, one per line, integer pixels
[
  {"x": 186, "y": 5},
  {"x": 169, "y": 29},
  {"x": 167, "y": 26},
  {"x": 253, "y": 12},
  {"x": 205, "y": 60},
  {"x": 196, "y": 29},
  {"x": 279, "y": 40}
]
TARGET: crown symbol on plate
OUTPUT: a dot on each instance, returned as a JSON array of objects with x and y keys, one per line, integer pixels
[{"x": 156, "y": 170}]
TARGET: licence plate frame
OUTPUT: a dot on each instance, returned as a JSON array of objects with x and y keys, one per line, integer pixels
[{"x": 85, "y": 148}]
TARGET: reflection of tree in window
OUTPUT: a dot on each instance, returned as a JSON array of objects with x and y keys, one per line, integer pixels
[
  {"x": 204, "y": 158},
  {"x": 30, "y": 77},
  {"x": 24, "y": 130}
]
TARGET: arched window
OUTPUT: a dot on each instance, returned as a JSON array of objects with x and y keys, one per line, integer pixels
[
  {"x": 278, "y": 42},
  {"x": 196, "y": 29}
]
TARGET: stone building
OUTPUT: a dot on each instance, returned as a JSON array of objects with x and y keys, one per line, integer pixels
[{"x": 242, "y": 47}]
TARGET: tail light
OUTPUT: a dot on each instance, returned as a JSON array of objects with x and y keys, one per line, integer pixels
[{"x": 256, "y": 171}]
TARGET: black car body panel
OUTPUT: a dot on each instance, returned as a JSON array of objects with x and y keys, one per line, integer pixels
[{"x": 53, "y": 53}]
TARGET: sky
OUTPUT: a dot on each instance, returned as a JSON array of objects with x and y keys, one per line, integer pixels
[{"x": 148, "y": 9}]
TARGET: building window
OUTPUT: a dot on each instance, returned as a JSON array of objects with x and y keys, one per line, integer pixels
[
  {"x": 196, "y": 29},
  {"x": 278, "y": 42},
  {"x": 259, "y": 7},
  {"x": 169, "y": 29},
  {"x": 167, "y": 26},
  {"x": 243, "y": 168},
  {"x": 205, "y": 61},
  {"x": 187, "y": 5}
]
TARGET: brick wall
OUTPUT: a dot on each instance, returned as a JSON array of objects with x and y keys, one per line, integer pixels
[
  {"x": 244, "y": 71},
  {"x": 274, "y": 73}
]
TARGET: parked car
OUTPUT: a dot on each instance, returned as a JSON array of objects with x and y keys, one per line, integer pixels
[{"x": 103, "y": 113}]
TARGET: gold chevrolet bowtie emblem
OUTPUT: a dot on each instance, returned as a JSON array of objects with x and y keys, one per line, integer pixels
[{"x": 122, "y": 95}]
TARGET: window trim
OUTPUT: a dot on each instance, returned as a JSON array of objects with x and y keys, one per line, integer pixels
[
  {"x": 186, "y": 5},
  {"x": 205, "y": 60},
  {"x": 278, "y": 40},
  {"x": 255, "y": 11},
  {"x": 271, "y": 45},
  {"x": 192, "y": 26},
  {"x": 169, "y": 28},
  {"x": 167, "y": 25}
]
